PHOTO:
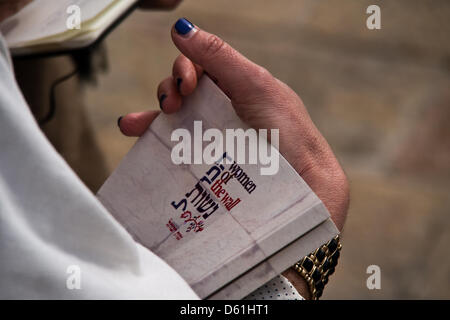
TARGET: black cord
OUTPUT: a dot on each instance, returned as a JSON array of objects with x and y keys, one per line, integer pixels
[{"x": 52, "y": 108}]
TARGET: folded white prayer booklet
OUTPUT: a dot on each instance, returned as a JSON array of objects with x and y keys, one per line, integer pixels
[
  {"x": 45, "y": 26},
  {"x": 225, "y": 227}
]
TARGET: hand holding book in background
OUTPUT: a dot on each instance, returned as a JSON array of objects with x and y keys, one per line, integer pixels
[{"x": 261, "y": 101}]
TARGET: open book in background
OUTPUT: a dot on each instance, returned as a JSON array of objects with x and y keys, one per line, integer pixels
[
  {"x": 224, "y": 244},
  {"x": 41, "y": 26}
]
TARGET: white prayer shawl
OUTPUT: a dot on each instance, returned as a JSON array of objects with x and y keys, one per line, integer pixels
[{"x": 56, "y": 240}]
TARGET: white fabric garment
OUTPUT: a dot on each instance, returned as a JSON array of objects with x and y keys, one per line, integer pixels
[
  {"x": 50, "y": 223},
  {"x": 56, "y": 240},
  {"x": 279, "y": 288}
]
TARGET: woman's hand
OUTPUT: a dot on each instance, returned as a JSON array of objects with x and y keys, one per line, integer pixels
[{"x": 260, "y": 100}]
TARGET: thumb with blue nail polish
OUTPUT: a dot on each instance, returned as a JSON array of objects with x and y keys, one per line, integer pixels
[
  {"x": 218, "y": 59},
  {"x": 184, "y": 27}
]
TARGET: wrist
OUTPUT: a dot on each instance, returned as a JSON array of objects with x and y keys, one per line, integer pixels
[{"x": 298, "y": 282}]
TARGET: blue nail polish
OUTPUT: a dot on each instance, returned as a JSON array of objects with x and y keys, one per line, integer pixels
[
  {"x": 161, "y": 99},
  {"x": 183, "y": 26},
  {"x": 179, "y": 81}
]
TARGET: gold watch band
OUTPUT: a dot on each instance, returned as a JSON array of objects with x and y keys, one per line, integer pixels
[{"x": 316, "y": 267}]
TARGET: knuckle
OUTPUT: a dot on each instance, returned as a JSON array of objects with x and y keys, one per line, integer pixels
[
  {"x": 263, "y": 80},
  {"x": 263, "y": 75},
  {"x": 345, "y": 185},
  {"x": 213, "y": 45}
]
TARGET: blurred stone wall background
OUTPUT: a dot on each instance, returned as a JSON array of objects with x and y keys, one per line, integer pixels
[{"x": 381, "y": 98}]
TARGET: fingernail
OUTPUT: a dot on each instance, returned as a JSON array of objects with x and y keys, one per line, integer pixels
[
  {"x": 184, "y": 27},
  {"x": 179, "y": 81},
  {"x": 161, "y": 99},
  {"x": 118, "y": 121}
]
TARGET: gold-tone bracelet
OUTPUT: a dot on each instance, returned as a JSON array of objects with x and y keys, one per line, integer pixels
[{"x": 316, "y": 267}]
